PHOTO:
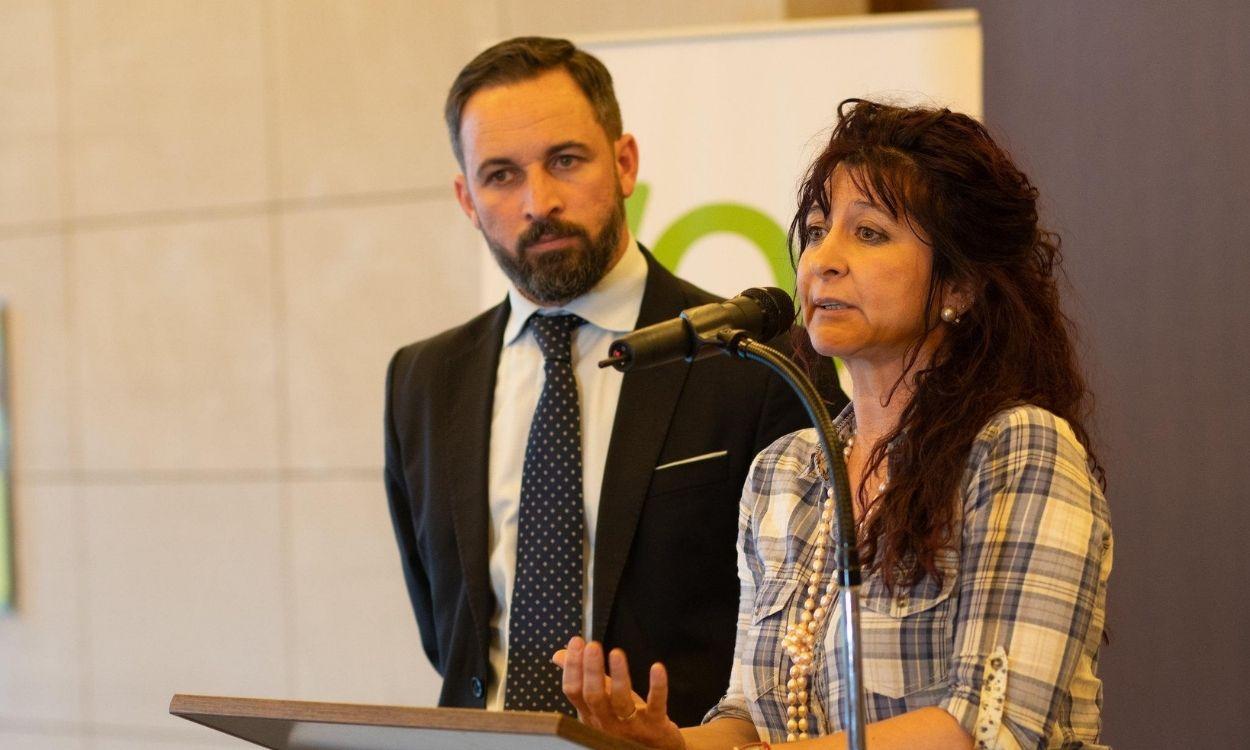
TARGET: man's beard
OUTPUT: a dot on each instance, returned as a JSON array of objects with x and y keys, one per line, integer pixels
[{"x": 554, "y": 277}]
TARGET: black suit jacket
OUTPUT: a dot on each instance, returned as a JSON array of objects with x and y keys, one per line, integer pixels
[{"x": 665, "y": 579}]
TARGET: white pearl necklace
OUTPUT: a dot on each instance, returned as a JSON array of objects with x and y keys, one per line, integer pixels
[{"x": 800, "y": 637}]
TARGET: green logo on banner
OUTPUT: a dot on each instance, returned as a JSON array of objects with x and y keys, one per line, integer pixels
[{"x": 751, "y": 224}]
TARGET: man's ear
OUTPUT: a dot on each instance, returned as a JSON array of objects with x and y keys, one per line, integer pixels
[
  {"x": 465, "y": 200},
  {"x": 626, "y": 152}
]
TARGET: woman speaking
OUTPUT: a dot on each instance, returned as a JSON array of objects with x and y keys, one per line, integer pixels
[{"x": 978, "y": 501}]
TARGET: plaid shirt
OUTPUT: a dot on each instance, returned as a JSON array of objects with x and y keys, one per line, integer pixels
[{"x": 1023, "y": 596}]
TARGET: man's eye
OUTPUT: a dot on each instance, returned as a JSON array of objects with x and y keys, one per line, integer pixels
[
  {"x": 499, "y": 176},
  {"x": 564, "y": 161}
]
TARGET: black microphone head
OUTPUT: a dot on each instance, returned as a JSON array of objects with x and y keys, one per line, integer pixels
[{"x": 777, "y": 307}]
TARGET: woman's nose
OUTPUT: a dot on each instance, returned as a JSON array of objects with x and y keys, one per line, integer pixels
[{"x": 824, "y": 257}]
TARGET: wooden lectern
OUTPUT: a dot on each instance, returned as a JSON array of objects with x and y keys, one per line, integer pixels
[{"x": 302, "y": 725}]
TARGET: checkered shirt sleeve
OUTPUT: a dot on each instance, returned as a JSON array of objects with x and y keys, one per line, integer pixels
[{"x": 1032, "y": 586}]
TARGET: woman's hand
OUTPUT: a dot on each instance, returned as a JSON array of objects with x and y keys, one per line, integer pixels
[{"x": 607, "y": 702}]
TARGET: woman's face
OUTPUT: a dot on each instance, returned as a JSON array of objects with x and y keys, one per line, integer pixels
[{"x": 863, "y": 278}]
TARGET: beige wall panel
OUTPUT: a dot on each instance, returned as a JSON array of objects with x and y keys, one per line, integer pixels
[
  {"x": 41, "y": 741},
  {"x": 356, "y": 638},
  {"x": 29, "y": 139},
  {"x": 176, "y": 346},
  {"x": 360, "y": 283},
  {"x": 40, "y": 650},
  {"x": 184, "y": 594},
  {"x": 576, "y": 17},
  {"x": 360, "y": 90},
  {"x": 32, "y": 285},
  {"x": 202, "y": 738},
  {"x": 165, "y": 104}
]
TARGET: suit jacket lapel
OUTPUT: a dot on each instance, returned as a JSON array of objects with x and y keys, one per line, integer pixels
[
  {"x": 648, "y": 399},
  {"x": 468, "y": 387}
]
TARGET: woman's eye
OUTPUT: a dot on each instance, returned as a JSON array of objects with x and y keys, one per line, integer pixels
[
  {"x": 868, "y": 234},
  {"x": 813, "y": 234}
]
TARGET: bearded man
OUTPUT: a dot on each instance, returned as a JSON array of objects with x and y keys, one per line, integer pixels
[{"x": 535, "y": 496}]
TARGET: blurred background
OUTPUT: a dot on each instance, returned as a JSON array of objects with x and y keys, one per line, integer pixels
[{"x": 219, "y": 218}]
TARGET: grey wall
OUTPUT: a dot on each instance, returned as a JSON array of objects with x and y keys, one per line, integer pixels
[{"x": 1133, "y": 118}]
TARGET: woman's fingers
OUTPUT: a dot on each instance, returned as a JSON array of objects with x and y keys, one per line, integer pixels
[
  {"x": 604, "y": 698},
  {"x": 622, "y": 695},
  {"x": 572, "y": 681},
  {"x": 657, "y": 696},
  {"x": 594, "y": 683}
]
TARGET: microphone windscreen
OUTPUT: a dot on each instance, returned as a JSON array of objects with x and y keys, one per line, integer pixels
[{"x": 777, "y": 308}]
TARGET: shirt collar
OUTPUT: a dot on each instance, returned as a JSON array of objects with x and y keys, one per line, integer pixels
[
  {"x": 844, "y": 427},
  {"x": 612, "y": 305}
]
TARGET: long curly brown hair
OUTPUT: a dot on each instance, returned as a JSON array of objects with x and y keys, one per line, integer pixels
[{"x": 944, "y": 175}]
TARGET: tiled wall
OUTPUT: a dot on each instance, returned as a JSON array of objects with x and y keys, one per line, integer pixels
[{"x": 217, "y": 220}]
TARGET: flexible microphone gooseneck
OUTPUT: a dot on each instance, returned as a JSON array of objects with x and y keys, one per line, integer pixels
[{"x": 761, "y": 313}]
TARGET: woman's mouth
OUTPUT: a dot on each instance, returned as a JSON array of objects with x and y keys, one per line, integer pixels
[{"x": 830, "y": 304}]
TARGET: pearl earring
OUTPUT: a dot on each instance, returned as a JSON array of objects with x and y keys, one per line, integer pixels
[{"x": 950, "y": 315}]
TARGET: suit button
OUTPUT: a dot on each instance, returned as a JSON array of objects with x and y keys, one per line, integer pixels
[{"x": 475, "y": 685}]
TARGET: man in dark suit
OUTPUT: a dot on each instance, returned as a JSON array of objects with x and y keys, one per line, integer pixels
[{"x": 644, "y": 531}]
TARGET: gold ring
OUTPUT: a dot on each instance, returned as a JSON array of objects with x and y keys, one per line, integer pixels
[{"x": 632, "y": 714}]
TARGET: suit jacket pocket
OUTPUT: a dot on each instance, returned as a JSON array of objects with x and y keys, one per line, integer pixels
[{"x": 686, "y": 473}]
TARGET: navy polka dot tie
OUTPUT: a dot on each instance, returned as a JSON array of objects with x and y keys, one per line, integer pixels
[{"x": 547, "y": 595}]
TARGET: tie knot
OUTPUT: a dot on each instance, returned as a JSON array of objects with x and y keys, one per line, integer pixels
[{"x": 554, "y": 334}]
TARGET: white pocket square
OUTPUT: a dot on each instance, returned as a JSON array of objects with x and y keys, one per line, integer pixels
[{"x": 692, "y": 459}]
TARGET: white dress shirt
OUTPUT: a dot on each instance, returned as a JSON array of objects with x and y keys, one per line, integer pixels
[{"x": 610, "y": 310}]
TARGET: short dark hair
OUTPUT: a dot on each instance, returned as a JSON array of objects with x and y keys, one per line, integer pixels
[{"x": 522, "y": 59}]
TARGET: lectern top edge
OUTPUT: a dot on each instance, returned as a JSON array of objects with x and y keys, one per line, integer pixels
[
  {"x": 524, "y": 722},
  {"x": 210, "y": 711}
]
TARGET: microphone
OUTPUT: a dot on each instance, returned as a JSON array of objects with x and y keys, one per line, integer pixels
[{"x": 761, "y": 313}]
